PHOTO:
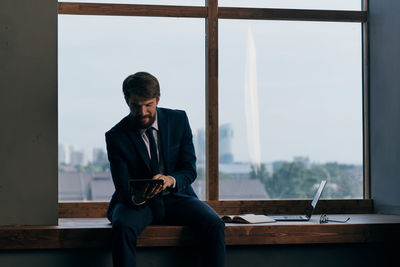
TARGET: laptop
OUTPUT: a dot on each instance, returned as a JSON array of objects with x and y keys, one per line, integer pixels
[{"x": 309, "y": 210}]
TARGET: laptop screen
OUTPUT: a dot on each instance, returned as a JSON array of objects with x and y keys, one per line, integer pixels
[{"x": 321, "y": 187}]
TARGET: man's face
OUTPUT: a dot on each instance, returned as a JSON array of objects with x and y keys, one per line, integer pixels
[{"x": 143, "y": 110}]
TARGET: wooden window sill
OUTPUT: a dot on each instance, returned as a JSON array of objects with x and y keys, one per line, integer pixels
[
  {"x": 96, "y": 233},
  {"x": 293, "y": 206}
]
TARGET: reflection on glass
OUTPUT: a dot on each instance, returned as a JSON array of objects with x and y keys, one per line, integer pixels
[
  {"x": 295, "y": 4},
  {"x": 291, "y": 97},
  {"x": 96, "y": 54}
]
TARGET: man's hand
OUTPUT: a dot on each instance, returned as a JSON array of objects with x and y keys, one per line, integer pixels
[{"x": 168, "y": 182}]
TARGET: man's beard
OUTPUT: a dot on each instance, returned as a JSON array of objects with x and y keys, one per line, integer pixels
[{"x": 140, "y": 124}]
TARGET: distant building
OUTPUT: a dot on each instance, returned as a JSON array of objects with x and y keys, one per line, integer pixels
[
  {"x": 67, "y": 155},
  {"x": 64, "y": 154},
  {"x": 243, "y": 189},
  {"x": 225, "y": 143},
  {"x": 100, "y": 189},
  {"x": 99, "y": 156},
  {"x": 224, "y": 148},
  {"x": 234, "y": 189},
  {"x": 236, "y": 170},
  {"x": 199, "y": 140},
  {"x": 82, "y": 186},
  {"x": 79, "y": 158},
  {"x": 98, "y": 186}
]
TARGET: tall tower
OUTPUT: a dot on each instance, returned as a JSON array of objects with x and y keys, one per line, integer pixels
[{"x": 225, "y": 143}]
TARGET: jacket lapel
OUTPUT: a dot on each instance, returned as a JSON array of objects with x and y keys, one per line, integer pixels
[
  {"x": 164, "y": 136},
  {"x": 134, "y": 135}
]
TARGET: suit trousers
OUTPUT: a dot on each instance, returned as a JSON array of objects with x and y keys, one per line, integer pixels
[{"x": 128, "y": 222}]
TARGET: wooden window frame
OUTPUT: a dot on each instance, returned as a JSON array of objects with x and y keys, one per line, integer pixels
[{"x": 211, "y": 12}]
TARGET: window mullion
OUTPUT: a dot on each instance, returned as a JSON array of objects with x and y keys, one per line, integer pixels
[{"x": 212, "y": 100}]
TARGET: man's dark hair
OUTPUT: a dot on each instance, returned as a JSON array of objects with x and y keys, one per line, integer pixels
[{"x": 141, "y": 84}]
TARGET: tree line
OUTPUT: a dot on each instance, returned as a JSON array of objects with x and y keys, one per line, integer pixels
[{"x": 296, "y": 180}]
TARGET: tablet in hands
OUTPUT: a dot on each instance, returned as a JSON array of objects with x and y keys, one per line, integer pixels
[{"x": 144, "y": 189}]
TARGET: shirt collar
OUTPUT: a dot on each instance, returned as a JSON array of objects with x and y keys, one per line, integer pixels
[{"x": 154, "y": 125}]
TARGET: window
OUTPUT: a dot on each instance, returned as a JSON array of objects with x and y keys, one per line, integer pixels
[
  {"x": 299, "y": 75},
  {"x": 290, "y": 109},
  {"x": 96, "y": 53}
]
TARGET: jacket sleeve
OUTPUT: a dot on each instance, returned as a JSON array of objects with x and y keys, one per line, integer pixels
[
  {"x": 185, "y": 171},
  {"x": 119, "y": 169}
]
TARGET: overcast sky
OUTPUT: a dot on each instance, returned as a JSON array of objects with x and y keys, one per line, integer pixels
[{"x": 309, "y": 78}]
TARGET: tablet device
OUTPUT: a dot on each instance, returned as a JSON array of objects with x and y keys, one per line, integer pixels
[{"x": 140, "y": 187}]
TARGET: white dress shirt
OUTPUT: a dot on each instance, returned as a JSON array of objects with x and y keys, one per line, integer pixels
[{"x": 156, "y": 135}]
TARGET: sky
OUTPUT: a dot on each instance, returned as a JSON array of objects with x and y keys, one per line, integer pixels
[{"x": 308, "y": 78}]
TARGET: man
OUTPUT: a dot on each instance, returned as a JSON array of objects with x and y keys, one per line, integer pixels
[{"x": 156, "y": 143}]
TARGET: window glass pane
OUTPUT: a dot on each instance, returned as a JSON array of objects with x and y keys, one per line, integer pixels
[
  {"x": 96, "y": 54},
  {"x": 290, "y": 109},
  {"x": 144, "y": 2},
  {"x": 299, "y": 4}
]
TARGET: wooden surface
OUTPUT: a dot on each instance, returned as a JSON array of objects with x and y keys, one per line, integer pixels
[
  {"x": 291, "y": 14},
  {"x": 211, "y": 8},
  {"x": 295, "y": 206},
  {"x": 82, "y": 209},
  {"x": 96, "y": 233},
  {"x": 269, "y": 207},
  {"x": 131, "y": 10},
  {"x": 361, "y": 228},
  {"x": 212, "y": 168}
]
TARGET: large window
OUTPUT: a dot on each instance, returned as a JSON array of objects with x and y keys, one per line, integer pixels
[
  {"x": 275, "y": 97},
  {"x": 96, "y": 53},
  {"x": 290, "y": 109}
]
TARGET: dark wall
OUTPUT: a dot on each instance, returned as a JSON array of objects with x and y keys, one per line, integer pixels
[
  {"x": 384, "y": 32},
  {"x": 28, "y": 112}
]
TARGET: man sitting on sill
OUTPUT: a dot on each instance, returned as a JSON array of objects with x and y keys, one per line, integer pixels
[{"x": 156, "y": 143}]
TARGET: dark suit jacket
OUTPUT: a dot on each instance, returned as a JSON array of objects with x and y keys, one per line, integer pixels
[{"x": 129, "y": 158}]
